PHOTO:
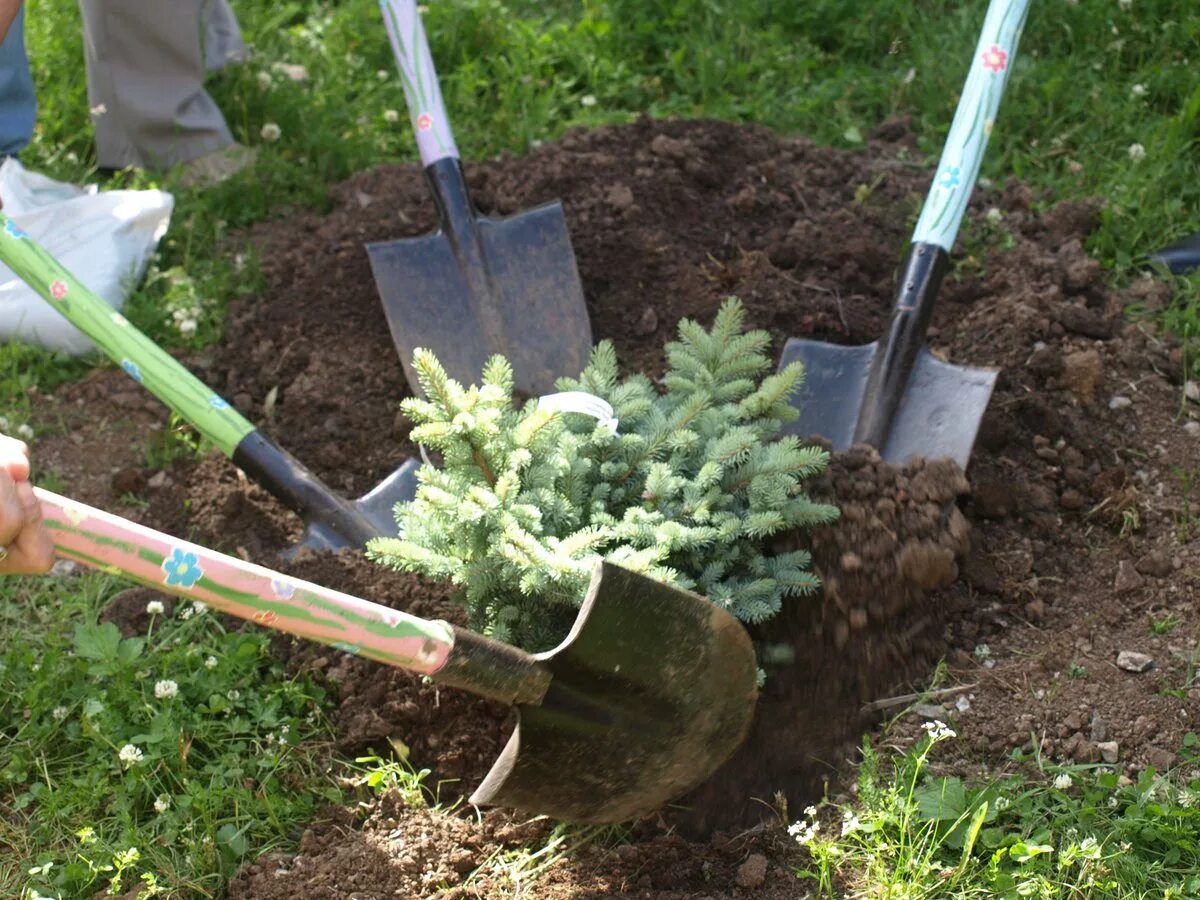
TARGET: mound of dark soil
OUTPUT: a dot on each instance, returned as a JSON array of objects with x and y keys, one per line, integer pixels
[{"x": 1081, "y": 523}]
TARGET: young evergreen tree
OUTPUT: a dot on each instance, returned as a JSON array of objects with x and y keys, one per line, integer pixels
[{"x": 688, "y": 485}]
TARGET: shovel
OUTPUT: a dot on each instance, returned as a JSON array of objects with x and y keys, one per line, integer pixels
[
  {"x": 331, "y": 521},
  {"x": 477, "y": 286},
  {"x": 894, "y": 394},
  {"x": 653, "y": 688}
]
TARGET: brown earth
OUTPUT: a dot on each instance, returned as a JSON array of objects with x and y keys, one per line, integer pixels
[{"x": 1081, "y": 529}]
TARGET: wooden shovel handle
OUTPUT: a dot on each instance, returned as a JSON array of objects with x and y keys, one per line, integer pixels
[{"x": 116, "y": 545}]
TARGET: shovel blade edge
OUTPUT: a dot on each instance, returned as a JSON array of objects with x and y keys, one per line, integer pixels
[
  {"x": 835, "y": 378},
  {"x": 940, "y": 412},
  {"x": 652, "y": 690},
  {"x": 526, "y": 304},
  {"x": 377, "y": 506},
  {"x": 545, "y": 324}
]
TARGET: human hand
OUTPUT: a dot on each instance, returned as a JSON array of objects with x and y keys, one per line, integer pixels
[{"x": 25, "y": 544}]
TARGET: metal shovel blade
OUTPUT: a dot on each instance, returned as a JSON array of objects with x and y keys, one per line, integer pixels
[
  {"x": 652, "y": 690},
  {"x": 377, "y": 507},
  {"x": 939, "y": 412},
  {"x": 519, "y": 296}
]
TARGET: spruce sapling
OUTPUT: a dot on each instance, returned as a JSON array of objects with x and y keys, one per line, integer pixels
[{"x": 689, "y": 489}]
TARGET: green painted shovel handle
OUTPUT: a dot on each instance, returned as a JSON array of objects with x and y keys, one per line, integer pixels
[
  {"x": 144, "y": 361},
  {"x": 345, "y": 524}
]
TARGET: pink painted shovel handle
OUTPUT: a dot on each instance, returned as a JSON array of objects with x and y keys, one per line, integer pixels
[{"x": 116, "y": 545}]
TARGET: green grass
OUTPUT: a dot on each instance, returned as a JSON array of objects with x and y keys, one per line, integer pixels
[
  {"x": 1046, "y": 832},
  {"x": 191, "y": 745},
  {"x": 1091, "y": 80}
]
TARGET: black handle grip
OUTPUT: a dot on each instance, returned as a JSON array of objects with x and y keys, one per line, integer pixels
[
  {"x": 924, "y": 268},
  {"x": 302, "y": 491}
]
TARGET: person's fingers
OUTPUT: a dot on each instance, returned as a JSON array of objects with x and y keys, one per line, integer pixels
[
  {"x": 12, "y": 512},
  {"x": 31, "y": 550},
  {"x": 14, "y": 458}
]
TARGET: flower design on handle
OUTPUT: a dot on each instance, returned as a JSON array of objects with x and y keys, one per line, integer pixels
[
  {"x": 265, "y": 617},
  {"x": 424, "y": 122},
  {"x": 949, "y": 177},
  {"x": 995, "y": 58},
  {"x": 132, "y": 370},
  {"x": 282, "y": 588},
  {"x": 182, "y": 568},
  {"x": 58, "y": 289},
  {"x": 14, "y": 230}
]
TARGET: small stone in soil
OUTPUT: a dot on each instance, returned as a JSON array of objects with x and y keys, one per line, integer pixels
[
  {"x": 1191, "y": 390},
  {"x": 1071, "y": 499},
  {"x": 1132, "y": 661},
  {"x": 1127, "y": 579},
  {"x": 1161, "y": 759},
  {"x": 1119, "y": 402},
  {"x": 753, "y": 872},
  {"x": 1156, "y": 563},
  {"x": 1192, "y": 428},
  {"x": 1109, "y": 751},
  {"x": 1082, "y": 373}
]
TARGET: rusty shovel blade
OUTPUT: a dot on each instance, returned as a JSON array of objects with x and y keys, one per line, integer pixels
[{"x": 651, "y": 691}]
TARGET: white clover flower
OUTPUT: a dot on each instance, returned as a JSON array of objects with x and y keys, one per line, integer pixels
[
  {"x": 187, "y": 327},
  {"x": 130, "y": 755},
  {"x": 186, "y": 613},
  {"x": 264, "y": 80},
  {"x": 59, "y": 713},
  {"x": 1137, "y": 152},
  {"x": 587, "y": 100},
  {"x": 162, "y": 803},
  {"x": 1125, "y": 5},
  {"x": 804, "y": 832},
  {"x": 1062, "y": 782},
  {"x": 850, "y": 823},
  {"x": 382, "y": 74},
  {"x": 810, "y": 811},
  {"x": 199, "y": 607},
  {"x": 939, "y": 731},
  {"x": 391, "y": 115},
  {"x": 210, "y": 662},
  {"x": 983, "y": 651},
  {"x": 155, "y": 607},
  {"x": 1113, "y": 802},
  {"x": 994, "y": 215},
  {"x": 166, "y": 689},
  {"x": 233, "y": 694},
  {"x": 271, "y": 132},
  {"x": 24, "y": 432},
  {"x": 1138, "y": 90}
]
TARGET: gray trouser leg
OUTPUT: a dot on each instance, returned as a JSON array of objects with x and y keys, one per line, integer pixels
[
  {"x": 223, "y": 42},
  {"x": 146, "y": 61}
]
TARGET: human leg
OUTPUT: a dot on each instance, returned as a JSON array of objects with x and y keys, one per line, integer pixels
[
  {"x": 18, "y": 105},
  {"x": 146, "y": 63}
]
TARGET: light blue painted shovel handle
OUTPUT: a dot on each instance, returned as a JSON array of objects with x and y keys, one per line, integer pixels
[
  {"x": 426, "y": 111},
  {"x": 959, "y": 166}
]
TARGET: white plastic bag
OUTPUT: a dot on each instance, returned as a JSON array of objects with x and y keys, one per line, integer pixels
[{"x": 105, "y": 239}]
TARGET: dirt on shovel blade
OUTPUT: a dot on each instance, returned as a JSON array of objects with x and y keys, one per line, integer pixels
[{"x": 1074, "y": 535}]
